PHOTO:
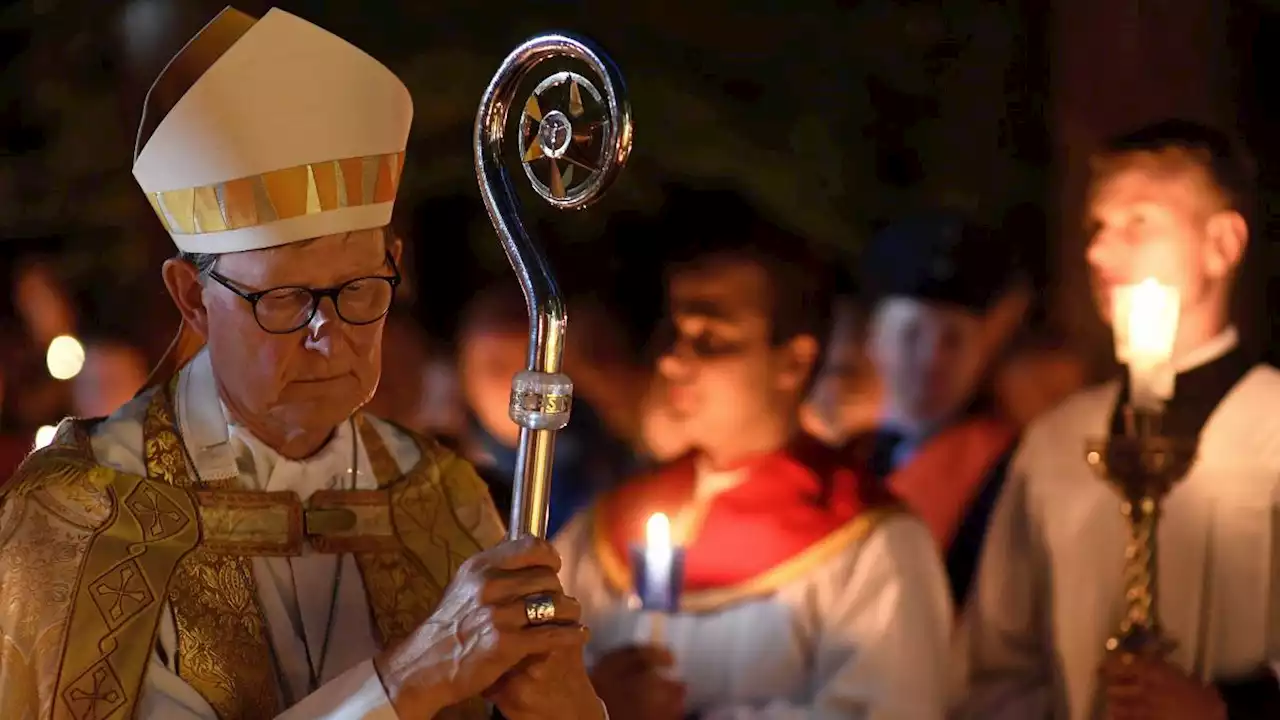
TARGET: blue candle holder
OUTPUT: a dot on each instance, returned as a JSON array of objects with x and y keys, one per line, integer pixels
[{"x": 657, "y": 594}]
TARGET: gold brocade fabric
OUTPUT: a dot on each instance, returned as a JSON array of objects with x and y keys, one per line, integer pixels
[
  {"x": 119, "y": 597},
  {"x": 89, "y": 555},
  {"x": 404, "y": 587},
  {"x": 222, "y": 640},
  {"x": 54, "y": 507},
  {"x": 97, "y": 620}
]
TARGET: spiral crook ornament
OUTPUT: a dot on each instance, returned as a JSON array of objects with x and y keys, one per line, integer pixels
[{"x": 574, "y": 139}]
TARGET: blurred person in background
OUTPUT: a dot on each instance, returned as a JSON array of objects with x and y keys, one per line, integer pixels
[
  {"x": 444, "y": 409},
  {"x": 939, "y": 286},
  {"x": 1036, "y": 373},
  {"x": 31, "y": 396},
  {"x": 845, "y": 401},
  {"x": 42, "y": 302},
  {"x": 804, "y": 592},
  {"x": 493, "y": 346},
  {"x": 604, "y": 365},
  {"x": 847, "y": 395},
  {"x": 44, "y": 310},
  {"x": 663, "y": 435},
  {"x": 114, "y": 371},
  {"x": 402, "y": 390},
  {"x": 419, "y": 385}
]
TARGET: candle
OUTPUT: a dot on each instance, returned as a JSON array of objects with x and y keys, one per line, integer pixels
[
  {"x": 1145, "y": 322},
  {"x": 657, "y": 555},
  {"x": 658, "y": 565}
]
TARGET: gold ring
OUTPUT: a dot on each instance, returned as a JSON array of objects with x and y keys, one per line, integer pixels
[{"x": 539, "y": 609}]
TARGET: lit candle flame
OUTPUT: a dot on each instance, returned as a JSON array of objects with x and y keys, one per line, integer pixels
[
  {"x": 657, "y": 533},
  {"x": 659, "y": 558},
  {"x": 1145, "y": 321},
  {"x": 1153, "y": 321}
]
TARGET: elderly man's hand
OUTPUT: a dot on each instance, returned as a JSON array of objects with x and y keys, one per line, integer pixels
[
  {"x": 1153, "y": 689},
  {"x": 481, "y": 630},
  {"x": 633, "y": 686},
  {"x": 552, "y": 687}
]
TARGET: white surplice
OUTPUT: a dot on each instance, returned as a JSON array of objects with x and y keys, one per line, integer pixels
[
  {"x": 351, "y": 689},
  {"x": 864, "y": 636},
  {"x": 1049, "y": 591}
]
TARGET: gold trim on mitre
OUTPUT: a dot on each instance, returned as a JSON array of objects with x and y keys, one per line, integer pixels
[
  {"x": 265, "y": 132},
  {"x": 307, "y": 189}
]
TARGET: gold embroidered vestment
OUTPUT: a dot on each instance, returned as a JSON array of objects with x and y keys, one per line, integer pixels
[{"x": 89, "y": 555}]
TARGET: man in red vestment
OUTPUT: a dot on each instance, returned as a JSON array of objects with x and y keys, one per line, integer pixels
[
  {"x": 936, "y": 283},
  {"x": 806, "y": 591}
]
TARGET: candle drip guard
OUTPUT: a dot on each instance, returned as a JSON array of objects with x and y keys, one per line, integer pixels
[
  {"x": 653, "y": 594},
  {"x": 1143, "y": 465}
]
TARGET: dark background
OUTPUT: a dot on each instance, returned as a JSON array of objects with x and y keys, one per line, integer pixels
[{"x": 833, "y": 116}]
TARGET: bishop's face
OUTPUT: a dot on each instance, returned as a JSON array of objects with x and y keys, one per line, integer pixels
[
  {"x": 726, "y": 382},
  {"x": 312, "y": 379}
]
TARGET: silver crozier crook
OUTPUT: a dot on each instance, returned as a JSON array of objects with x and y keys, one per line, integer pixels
[{"x": 573, "y": 142}]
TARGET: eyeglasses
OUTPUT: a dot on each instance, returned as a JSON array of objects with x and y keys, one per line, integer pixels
[{"x": 282, "y": 310}]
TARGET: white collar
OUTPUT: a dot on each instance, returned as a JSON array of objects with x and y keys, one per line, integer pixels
[
  {"x": 1221, "y": 344},
  {"x": 710, "y": 483},
  {"x": 1165, "y": 375},
  {"x": 202, "y": 421}
]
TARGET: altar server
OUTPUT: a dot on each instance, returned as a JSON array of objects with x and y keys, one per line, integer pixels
[
  {"x": 1168, "y": 202},
  {"x": 807, "y": 591},
  {"x": 936, "y": 283}
]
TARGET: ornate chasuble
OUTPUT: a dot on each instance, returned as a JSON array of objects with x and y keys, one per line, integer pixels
[
  {"x": 168, "y": 537},
  {"x": 795, "y": 509}
]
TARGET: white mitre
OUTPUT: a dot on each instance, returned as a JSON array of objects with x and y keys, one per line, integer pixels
[{"x": 266, "y": 132}]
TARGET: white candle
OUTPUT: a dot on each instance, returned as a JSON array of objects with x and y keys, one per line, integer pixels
[
  {"x": 658, "y": 557},
  {"x": 1145, "y": 322}
]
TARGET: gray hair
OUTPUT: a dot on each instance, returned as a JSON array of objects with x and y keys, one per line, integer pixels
[{"x": 203, "y": 262}]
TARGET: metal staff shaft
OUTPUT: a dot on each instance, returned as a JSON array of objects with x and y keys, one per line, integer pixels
[{"x": 541, "y": 396}]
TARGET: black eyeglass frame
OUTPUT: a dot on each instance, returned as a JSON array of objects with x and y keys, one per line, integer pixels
[{"x": 317, "y": 294}]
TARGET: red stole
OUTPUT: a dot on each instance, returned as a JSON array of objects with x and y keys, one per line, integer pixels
[
  {"x": 796, "y": 508},
  {"x": 940, "y": 482}
]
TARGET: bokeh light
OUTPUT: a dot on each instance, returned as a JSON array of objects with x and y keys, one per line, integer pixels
[
  {"x": 44, "y": 436},
  {"x": 65, "y": 358}
]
